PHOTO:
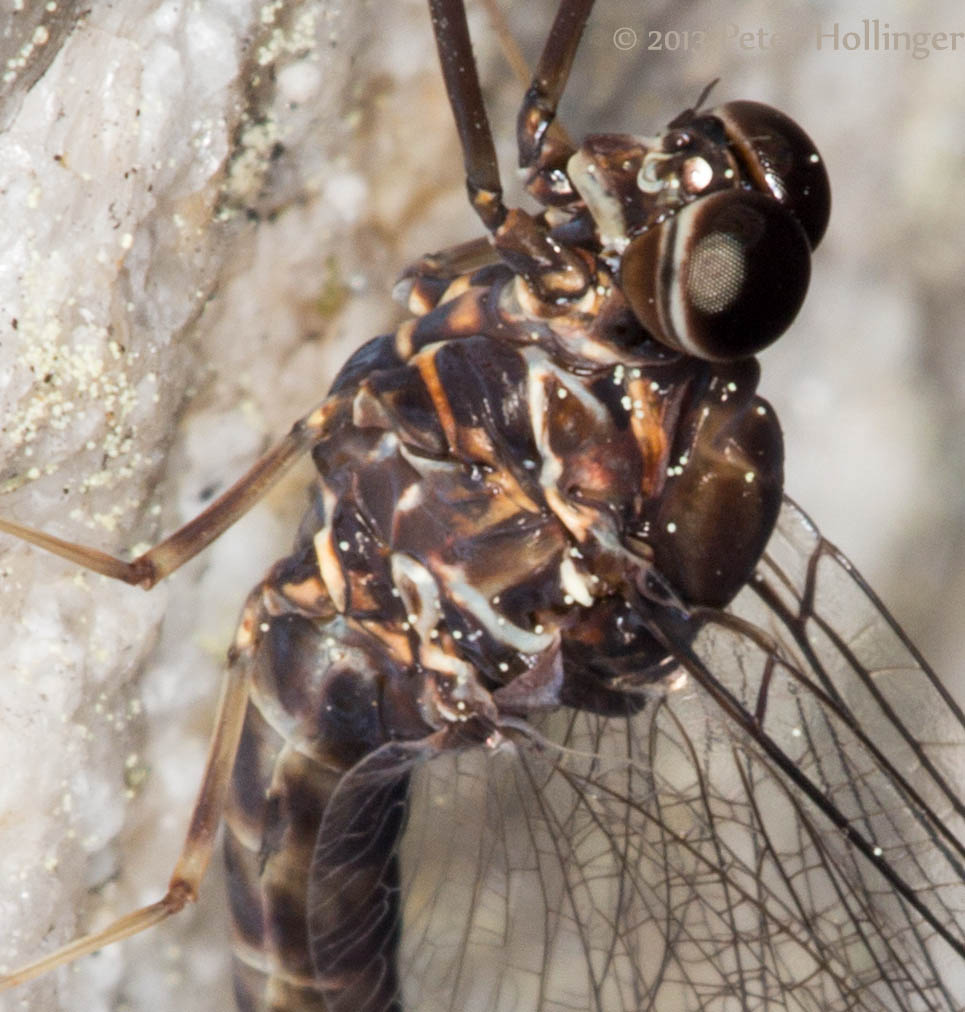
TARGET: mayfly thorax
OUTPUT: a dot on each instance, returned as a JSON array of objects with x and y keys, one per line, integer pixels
[{"x": 534, "y": 498}]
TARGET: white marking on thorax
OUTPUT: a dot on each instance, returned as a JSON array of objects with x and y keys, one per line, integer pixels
[{"x": 475, "y": 603}]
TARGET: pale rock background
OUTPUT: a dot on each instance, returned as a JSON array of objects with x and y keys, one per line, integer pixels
[{"x": 203, "y": 209}]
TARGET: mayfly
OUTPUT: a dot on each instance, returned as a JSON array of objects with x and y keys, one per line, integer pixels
[{"x": 846, "y": 913}]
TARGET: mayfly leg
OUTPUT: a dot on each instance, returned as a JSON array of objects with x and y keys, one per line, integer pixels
[
  {"x": 145, "y": 571},
  {"x": 180, "y": 547},
  {"x": 199, "y": 841}
]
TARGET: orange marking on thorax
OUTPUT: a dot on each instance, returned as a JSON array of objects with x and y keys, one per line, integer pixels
[
  {"x": 426, "y": 363},
  {"x": 465, "y": 317},
  {"x": 647, "y": 412}
]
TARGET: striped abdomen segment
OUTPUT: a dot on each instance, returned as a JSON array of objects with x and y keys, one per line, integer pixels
[{"x": 320, "y": 689}]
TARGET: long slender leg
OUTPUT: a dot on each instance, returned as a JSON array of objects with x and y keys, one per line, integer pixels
[
  {"x": 553, "y": 272},
  {"x": 472, "y": 123},
  {"x": 205, "y": 817},
  {"x": 517, "y": 63},
  {"x": 549, "y": 81},
  {"x": 167, "y": 556}
]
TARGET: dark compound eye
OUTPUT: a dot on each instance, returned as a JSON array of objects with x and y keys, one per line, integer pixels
[
  {"x": 722, "y": 278},
  {"x": 781, "y": 160}
]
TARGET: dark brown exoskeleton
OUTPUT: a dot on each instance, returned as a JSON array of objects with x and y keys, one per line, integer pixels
[{"x": 535, "y": 497}]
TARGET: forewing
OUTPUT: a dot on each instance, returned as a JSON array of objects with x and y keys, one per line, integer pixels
[{"x": 778, "y": 828}]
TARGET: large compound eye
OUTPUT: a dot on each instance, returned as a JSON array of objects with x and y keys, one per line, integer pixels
[
  {"x": 722, "y": 278},
  {"x": 780, "y": 159}
]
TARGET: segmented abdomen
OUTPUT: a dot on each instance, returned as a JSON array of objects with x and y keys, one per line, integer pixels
[{"x": 295, "y": 951}]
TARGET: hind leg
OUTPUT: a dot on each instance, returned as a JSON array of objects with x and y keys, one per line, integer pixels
[{"x": 205, "y": 818}]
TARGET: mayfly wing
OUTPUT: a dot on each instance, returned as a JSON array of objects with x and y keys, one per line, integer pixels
[
  {"x": 845, "y": 752},
  {"x": 673, "y": 857}
]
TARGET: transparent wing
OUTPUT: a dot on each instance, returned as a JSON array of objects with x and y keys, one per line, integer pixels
[{"x": 779, "y": 828}]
